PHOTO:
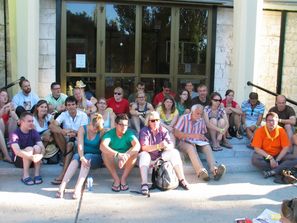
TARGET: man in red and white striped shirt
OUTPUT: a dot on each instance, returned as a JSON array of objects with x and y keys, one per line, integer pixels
[{"x": 190, "y": 129}]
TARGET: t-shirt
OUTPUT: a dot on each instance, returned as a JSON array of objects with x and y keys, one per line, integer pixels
[
  {"x": 56, "y": 102},
  {"x": 160, "y": 97},
  {"x": 24, "y": 139},
  {"x": 252, "y": 113},
  {"x": 118, "y": 107},
  {"x": 26, "y": 101},
  {"x": 122, "y": 144},
  {"x": 68, "y": 122},
  {"x": 274, "y": 147},
  {"x": 163, "y": 117},
  {"x": 233, "y": 103},
  {"x": 40, "y": 129},
  {"x": 197, "y": 100},
  {"x": 285, "y": 114}
]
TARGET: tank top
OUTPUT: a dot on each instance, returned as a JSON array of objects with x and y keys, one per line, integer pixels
[
  {"x": 91, "y": 146},
  {"x": 107, "y": 122}
]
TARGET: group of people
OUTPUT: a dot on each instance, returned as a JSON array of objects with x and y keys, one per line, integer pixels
[{"x": 120, "y": 132}]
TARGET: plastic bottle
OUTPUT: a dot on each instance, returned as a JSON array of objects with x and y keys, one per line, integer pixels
[{"x": 90, "y": 183}]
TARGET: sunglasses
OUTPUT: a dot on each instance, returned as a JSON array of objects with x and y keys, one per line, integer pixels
[
  {"x": 154, "y": 120},
  {"x": 216, "y": 100},
  {"x": 117, "y": 93}
]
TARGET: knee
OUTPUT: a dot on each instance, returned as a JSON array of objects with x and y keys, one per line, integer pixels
[
  {"x": 213, "y": 121},
  {"x": 144, "y": 159},
  {"x": 37, "y": 149}
]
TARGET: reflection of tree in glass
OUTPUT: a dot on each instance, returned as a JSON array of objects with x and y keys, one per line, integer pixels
[
  {"x": 120, "y": 39},
  {"x": 81, "y": 40},
  {"x": 193, "y": 28}
]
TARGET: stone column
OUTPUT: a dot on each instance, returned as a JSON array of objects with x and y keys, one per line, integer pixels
[
  {"x": 27, "y": 40},
  {"x": 247, "y": 19}
]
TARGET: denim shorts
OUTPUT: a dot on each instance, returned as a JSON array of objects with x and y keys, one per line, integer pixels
[{"x": 96, "y": 159}]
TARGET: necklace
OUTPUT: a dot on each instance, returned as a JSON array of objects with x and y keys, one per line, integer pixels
[{"x": 269, "y": 136}]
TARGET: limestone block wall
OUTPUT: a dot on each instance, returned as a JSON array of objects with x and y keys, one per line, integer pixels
[
  {"x": 47, "y": 46},
  {"x": 267, "y": 56},
  {"x": 2, "y": 46},
  {"x": 224, "y": 50},
  {"x": 289, "y": 80}
]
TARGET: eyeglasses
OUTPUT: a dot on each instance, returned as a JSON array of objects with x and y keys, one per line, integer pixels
[
  {"x": 123, "y": 125},
  {"x": 117, "y": 93},
  {"x": 141, "y": 97},
  {"x": 102, "y": 103},
  {"x": 270, "y": 120},
  {"x": 216, "y": 100},
  {"x": 154, "y": 120}
]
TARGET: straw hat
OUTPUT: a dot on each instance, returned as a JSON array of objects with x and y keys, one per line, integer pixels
[
  {"x": 50, "y": 150},
  {"x": 80, "y": 84}
]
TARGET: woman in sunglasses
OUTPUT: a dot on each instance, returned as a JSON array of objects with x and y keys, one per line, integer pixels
[
  {"x": 88, "y": 154},
  {"x": 155, "y": 142},
  {"x": 289, "y": 211},
  {"x": 217, "y": 122}
]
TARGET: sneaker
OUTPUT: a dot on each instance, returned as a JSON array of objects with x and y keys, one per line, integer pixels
[
  {"x": 204, "y": 175},
  {"x": 220, "y": 171}
]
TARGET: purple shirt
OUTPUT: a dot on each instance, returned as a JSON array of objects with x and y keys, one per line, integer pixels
[
  {"x": 147, "y": 138},
  {"x": 24, "y": 139}
]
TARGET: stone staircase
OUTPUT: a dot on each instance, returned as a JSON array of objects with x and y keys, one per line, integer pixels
[{"x": 237, "y": 159}]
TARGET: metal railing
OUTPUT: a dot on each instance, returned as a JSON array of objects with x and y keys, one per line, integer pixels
[{"x": 270, "y": 92}]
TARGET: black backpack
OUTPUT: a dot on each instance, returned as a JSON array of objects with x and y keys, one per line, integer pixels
[{"x": 163, "y": 176}]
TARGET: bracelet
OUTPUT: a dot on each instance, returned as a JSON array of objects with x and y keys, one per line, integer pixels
[
  {"x": 221, "y": 131},
  {"x": 116, "y": 155},
  {"x": 158, "y": 147},
  {"x": 81, "y": 158},
  {"x": 268, "y": 157}
]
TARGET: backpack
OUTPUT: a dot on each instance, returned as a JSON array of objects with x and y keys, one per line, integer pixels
[
  {"x": 287, "y": 176},
  {"x": 163, "y": 176}
]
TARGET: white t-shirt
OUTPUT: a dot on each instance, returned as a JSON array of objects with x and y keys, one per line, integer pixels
[
  {"x": 40, "y": 129},
  {"x": 68, "y": 122},
  {"x": 26, "y": 101}
]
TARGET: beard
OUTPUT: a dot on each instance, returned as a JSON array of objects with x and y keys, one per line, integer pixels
[{"x": 27, "y": 91}]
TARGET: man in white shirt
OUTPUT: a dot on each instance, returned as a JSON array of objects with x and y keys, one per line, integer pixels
[
  {"x": 25, "y": 99},
  {"x": 65, "y": 137}
]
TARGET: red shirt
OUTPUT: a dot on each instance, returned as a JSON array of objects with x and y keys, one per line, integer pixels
[
  {"x": 233, "y": 103},
  {"x": 160, "y": 97},
  {"x": 118, "y": 107}
]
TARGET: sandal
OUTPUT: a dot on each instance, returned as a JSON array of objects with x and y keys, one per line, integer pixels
[
  {"x": 38, "y": 180},
  {"x": 216, "y": 148},
  {"x": 76, "y": 196},
  {"x": 28, "y": 181},
  {"x": 60, "y": 194},
  {"x": 145, "y": 191},
  {"x": 184, "y": 184},
  {"x": 226, "y": 144},
  {"x": 56, "y": 181},
  {"x": 116, "y": 188},
  {"x": 268, "y": 173},
  {"x": 124, "y": 187},
  {"x": 238, "y": 136},
  {"x": 219, "y": 172},
  {"x": 204, "y": 175}
]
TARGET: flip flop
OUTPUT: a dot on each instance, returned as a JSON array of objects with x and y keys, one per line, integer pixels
[
  {"x": 38, "y": 180},
  {"x": 216, "y": 148},
  {"x": 124, "y": 187},
  {"x": 116, "y": 188},
  {"x": 56, "y": 182},
  {"x": 28, "y": 181}
]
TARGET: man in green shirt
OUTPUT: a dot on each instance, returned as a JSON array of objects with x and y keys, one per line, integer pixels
[{"x": 120, "y": 145}]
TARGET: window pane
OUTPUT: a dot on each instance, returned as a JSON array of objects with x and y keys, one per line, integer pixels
[
  {"x": 155, "y": 50},
  {"x": 192, "y": 41},
  {"x": 120, "y": 38},
  {"x": 81, "y": 37}
]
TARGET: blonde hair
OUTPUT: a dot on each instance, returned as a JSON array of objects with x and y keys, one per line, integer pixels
[
  {"x": 97, "y": 121},
  {"x": 148, "y": 115},
  {"x": 289, "y": 209}
]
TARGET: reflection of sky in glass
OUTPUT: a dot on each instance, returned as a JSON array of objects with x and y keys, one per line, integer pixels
[
  {"x": 111, "y": 13},
  {"x": 77, "y": 8}
]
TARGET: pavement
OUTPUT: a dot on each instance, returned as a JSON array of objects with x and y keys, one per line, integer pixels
[{"x": 242, "y": 192}]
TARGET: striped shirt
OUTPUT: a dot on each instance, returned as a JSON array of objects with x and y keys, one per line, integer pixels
[
  {"x": 186, "y": 125},
  {"x": 252, "y": 114}
]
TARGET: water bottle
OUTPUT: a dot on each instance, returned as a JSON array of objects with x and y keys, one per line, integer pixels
[{"x": 90, "y": 183}]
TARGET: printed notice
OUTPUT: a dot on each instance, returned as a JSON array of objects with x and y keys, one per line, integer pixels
[{"x": 80, "y": 61}]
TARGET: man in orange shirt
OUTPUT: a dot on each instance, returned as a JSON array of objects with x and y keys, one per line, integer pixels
[{"x": 271, "y": 144}]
